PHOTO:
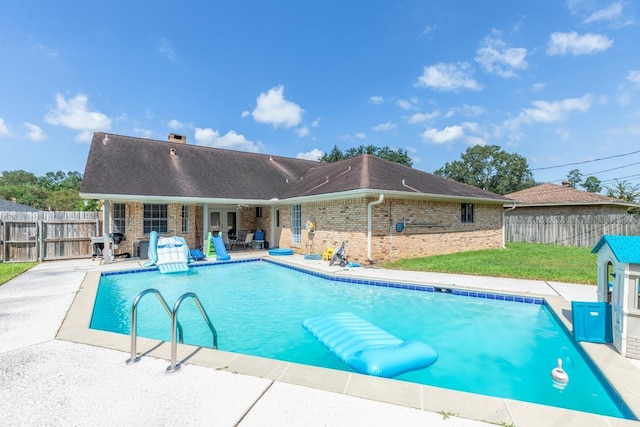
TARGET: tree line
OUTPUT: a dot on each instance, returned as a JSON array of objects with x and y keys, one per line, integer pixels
[
  {"x": 484, "y": 166},
  {"x": 56, "y": 191}
]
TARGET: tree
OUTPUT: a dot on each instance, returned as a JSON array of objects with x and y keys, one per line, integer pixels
[
  {"x": 397, "y": 156},
  {"x": 624, "y": 190},
  {"x": 18, "y": 177},
  {"x": 574, "y": 177},
  {"x": 53, "y": 191},
  {"x": 490, "y": 168},
  {"x": 592, "y": 184}
]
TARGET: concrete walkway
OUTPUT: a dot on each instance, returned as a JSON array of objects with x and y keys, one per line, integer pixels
[{"x": 44, "y": 381}]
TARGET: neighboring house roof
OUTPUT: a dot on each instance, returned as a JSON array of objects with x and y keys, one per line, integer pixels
[
  {"x": 625, "y": 248},
  {"x": 9, "y": 206},
  {"x": 125, "y": 168},
  {"x": 553, "y": 195}
]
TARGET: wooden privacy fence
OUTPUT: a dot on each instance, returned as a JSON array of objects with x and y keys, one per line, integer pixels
[
  {"x": 568, "y": 230},
  {"x": 44, "y": 236}
]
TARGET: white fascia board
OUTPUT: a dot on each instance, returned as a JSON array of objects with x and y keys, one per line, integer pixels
[{"x": 293, "y": 200}]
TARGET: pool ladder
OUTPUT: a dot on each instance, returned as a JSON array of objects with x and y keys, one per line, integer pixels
[{"x": 175, "y": 324}]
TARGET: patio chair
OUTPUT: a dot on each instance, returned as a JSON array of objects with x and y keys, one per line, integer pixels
[
  {"x": 240, "y": 238},
  {"x": 247, "y": 241}
]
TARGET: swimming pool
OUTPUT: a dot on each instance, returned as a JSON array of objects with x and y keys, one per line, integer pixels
[{"x": 486, "y": 345}]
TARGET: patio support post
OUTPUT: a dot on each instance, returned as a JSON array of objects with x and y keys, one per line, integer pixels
[
  {"x": 369, "y": 206},
  {"x": 106, "y": 226}
]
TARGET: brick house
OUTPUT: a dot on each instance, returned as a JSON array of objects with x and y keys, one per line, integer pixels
[{"x": 383, "y": 210}]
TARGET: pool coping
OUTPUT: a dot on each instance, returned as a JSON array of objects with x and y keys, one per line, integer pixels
[{"x": 617, "y": 370}]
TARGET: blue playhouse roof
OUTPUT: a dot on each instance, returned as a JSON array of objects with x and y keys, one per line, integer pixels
[{"x": 625, "y": 248}]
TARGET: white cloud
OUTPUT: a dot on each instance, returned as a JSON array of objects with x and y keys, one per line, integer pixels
[
  {"x": 231, "y": 140},
  {"x": 444, "y": 136},
  {"x": 165, "y": 49},
  {"x": 404, "y": 104},
  {"x": 384, "y": 127},
  {"x": 424, "y": 117},
  {"x": 575, "y": 44},
  {"x": 303, "y": 131},
  {"x": 448, "y": 77},
  {"x": 145, "y": 133},
  {"x": 465, "y": 110},
  {"x": 314, "y": 154},
  {"x": 537, "y": 87},
  {"x": 34, "y": 132},
  {"x": 626, "y": 91},
  {"x": 411, "y": 104},
  {"x": 429, "y": 29},
  {"x": 175, "y": 124},
  {"x": 315, "y": 123},
  {"x": 245, "y": 114},
  {"x": 376, "y": 100},
  {"x": 272, "y": 108},
  {"x": 634, "y": 77},
  {"x": 470, "y": 132},
  {"x": 496, "y": 57},
  {"x": 349, "y": 137},
  {"x": 549, "y": 112},
  {"x": 607, "y": 14},
  {"x": 4, "y": 129},
  {"x": 77, "y": 114},
  {"x": 51, "y": 53}
]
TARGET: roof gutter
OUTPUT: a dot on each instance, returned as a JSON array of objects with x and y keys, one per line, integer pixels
[{"x": 369, "y": 206}]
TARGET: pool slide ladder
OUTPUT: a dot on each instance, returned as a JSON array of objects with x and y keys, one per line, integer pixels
[{"x": 175, "y": 324}]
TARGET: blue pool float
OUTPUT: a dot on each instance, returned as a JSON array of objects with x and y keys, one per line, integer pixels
[
  {"x": 281, "y": 251},
  {"x": 368, "y": 349}
]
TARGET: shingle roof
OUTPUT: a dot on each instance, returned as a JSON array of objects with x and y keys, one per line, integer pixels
[
  {"x": 553, "y": 194},
  {"x": 625, "y": 248},
  {"x": 8, "y": 206},
  {"x": 128, "y": 166},
  {"x": 371, "y": 172}
]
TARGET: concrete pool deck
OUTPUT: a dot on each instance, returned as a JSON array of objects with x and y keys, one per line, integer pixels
[{"x": 54, "y": 371}]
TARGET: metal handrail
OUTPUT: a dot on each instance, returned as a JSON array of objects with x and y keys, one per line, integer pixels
[
  {"x": 174, "y": 344},
  {"x": 134, "y": 321}
]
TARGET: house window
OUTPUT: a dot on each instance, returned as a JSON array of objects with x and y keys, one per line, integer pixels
[
  {"x": 466, "y": 213},
  {"x": 154, "y": 218},
  {"x": 296, "y": 224},
  {"x": 634, "y": 284},
  {"x": 611, "y": 277},
  {"x": 185, "y": 219},
  {"x": 259, "y": 212},
  {"x": 119, "y": 220}
]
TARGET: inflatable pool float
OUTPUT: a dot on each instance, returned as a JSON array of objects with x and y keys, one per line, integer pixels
[
  {"x": 281, "y": 251},
  {"x": 368, "y": 349},
  {"x": 312, "y": 256}
]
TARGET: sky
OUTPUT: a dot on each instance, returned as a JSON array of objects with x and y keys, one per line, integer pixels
[{"x": 555, "y": 81}]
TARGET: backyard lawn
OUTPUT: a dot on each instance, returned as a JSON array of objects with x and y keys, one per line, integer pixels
[
  {"x": 12, "y": 269},
  {"x": 518, "y": 260}
]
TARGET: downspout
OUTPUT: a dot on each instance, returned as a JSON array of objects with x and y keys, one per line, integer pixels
[
  {"x": 504, "y": 245},
  {"x": 380, "y": 200}
]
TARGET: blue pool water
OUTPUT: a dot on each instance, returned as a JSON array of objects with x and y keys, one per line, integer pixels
[{"x": 486, "y": 346}]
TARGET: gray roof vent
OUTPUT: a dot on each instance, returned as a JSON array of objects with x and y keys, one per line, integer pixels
[{"x": 180, "y": 139}]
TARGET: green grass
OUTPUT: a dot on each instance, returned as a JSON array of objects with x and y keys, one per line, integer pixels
[
  {"x": 518, "y": 260},
  {"x": 10, "y": 270}
]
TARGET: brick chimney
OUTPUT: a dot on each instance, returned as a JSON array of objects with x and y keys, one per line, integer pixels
[
  {"x": 180, "y": 139},
  {"x": 14, "y": 200},
  {"x": 566, "y": 184}
]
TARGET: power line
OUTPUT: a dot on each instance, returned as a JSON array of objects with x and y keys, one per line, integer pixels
[
  {"x": 586, "y": 161},
  {"x": 602, "y": 171}
]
